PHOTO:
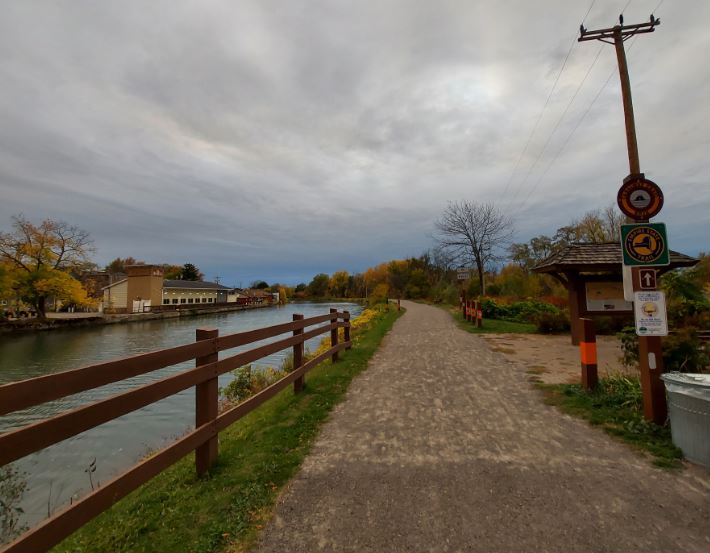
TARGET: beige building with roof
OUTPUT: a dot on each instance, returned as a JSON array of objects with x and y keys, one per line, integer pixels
[{"x": 144, "y": 289}]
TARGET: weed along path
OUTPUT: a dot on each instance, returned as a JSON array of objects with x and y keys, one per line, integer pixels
[{"x": 442, "y": 445}]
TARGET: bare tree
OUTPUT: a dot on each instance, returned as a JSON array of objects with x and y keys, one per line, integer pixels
[{"x": 474, "y": 234}]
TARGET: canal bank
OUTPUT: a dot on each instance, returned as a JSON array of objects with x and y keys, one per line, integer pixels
[
  {"x": 58, "y": 473},
  {"x": 36, "y": 325}
]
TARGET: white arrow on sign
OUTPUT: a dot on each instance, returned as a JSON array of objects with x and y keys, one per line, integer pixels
[{"x": 647, "y": 278}]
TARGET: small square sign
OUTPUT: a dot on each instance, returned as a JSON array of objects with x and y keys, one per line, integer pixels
[
  {"x": 650, "y": 313},
  {"x": 647, "y": 279}
]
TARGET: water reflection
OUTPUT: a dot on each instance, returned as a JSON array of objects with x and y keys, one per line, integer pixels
[{"x": 58, "y": 472}]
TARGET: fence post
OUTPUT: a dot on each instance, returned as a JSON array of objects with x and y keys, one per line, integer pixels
[
  {"x": 206, "y": 404},
  {"x": 300, "y": 382},
  {"x": 334, "y": 333},
  {"x": 399, "y": 306},
  {"x": 463, "y": 304},
  {"x": 346, "y": 316},
  {"x": 479, "y": 314},
  {"x": 588, "y": 354},
  {"x": 469, "y": 306}
]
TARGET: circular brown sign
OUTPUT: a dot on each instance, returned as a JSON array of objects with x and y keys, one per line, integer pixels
[{"x": 640, "y": 198}]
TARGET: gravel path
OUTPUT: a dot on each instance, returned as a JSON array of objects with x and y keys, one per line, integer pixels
[{"x": 442, "y": 445}]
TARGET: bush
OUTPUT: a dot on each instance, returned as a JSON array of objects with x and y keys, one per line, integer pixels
[
  {"x": 607, "y": 326},
  {"x": 682, "y": 350},
  {"x": 549, "y": 323},
  {"x": 520, "y": 311}
]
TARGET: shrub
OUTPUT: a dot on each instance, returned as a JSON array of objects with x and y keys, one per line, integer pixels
[
  {"x": 519, "y": 311},
  {"x": 682, "y": 350},
  {"x": 548, "y": 322},
  {"x": 606, "y": 325}
]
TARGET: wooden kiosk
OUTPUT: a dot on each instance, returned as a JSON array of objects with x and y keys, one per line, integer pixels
[{"x": 592, "y": 274}]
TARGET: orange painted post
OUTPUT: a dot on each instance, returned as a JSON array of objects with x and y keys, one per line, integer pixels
[
  {"x": 588, "y": 354},
  {"x": 467, "y": 310},
  {"x": 346, "y": 317},
  {"x": 206, "y": 404},
  {"x": 334, "y": 333},
  {"x": 300, "y": 382}
]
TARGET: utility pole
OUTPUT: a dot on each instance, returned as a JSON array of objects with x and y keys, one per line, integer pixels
[{"x": 650, "y": 353}]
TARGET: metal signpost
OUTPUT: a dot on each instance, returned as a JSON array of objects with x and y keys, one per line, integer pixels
[{"x": 640, "y": 199}]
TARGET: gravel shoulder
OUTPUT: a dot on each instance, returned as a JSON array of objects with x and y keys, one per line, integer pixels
[{"x": 444, "y": 445}]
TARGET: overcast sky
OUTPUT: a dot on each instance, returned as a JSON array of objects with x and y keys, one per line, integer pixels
[{"x": 278, "y": 139}]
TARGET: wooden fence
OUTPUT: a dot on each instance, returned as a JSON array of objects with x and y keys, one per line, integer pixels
[{"x": 203, "y": 439}]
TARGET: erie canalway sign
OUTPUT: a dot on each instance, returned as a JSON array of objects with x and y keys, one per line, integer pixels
[
  {"x": 645, "y": 244},
  {"x": 639, "y": 198}
]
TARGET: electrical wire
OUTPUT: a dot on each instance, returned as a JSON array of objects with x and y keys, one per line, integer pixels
[
  {"x": 580, "y": 120},
  {"x": 547, "y": 101}
]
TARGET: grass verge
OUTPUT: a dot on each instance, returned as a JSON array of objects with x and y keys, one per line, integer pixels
[
  {"x": 492, "y": 326},
  {"x": 258, "y": 455},
  {"x": 616, "y": 405}
]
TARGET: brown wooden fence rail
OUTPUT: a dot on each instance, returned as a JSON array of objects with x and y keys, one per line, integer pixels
[{"x": 203, "y": 439}]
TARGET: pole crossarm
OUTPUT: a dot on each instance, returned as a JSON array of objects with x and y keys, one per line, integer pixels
[{"x": 626, "y": 31}]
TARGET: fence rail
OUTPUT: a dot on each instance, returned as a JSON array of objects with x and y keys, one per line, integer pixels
[{"x": 18, "y": 443}]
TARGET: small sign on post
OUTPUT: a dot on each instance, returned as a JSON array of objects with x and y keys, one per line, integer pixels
[
  {"x": 647, "y": 279},
  {"x": 463, "y": 274},
  {"x": 650, "y": 313}
]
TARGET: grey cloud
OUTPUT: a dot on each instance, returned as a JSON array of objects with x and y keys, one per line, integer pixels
[{"x": 280, "y": 139}]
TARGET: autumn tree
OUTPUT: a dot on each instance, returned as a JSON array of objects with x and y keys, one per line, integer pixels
[
  {"x": 338, "y": 285},
  {"x": 118, "y": 265},
  {"x": 474, "y": 234},
  {"x": 40, "y": 259}
]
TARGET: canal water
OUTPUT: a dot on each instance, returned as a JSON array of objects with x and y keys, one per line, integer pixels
[{"x": 60, "y": 472}]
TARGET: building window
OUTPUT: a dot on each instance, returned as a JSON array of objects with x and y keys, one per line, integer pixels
[
  {"x": 166, "y": 301},
  {"x": 204, "y": 300},
  {"x": 182, "y": 300},
  {"x": 175, "y": 300},
  {"x": 210, "y": 300},
  {"x": 190, "y": 300}
]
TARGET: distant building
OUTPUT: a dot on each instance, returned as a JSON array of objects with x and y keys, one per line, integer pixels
[{"x": 144, "y": 288}]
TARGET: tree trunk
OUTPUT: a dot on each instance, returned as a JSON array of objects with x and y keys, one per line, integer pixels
[
  {"x": 41, "y": 307},
  {"x": 480, "y": 280}
]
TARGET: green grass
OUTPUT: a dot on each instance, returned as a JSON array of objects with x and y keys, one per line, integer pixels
[
  {"x": 176, "y": 511},
  {"x": 616, "y": 406},
  {"x": 493, "y": 326}
]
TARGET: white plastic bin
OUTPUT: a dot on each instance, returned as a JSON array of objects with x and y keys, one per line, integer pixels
[{"x": 689, "y": 408}]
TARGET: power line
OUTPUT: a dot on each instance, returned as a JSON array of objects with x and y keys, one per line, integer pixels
[
  {"x": 544, "y": 107},
  {"x": 583, "y": 117},
  {"x": 557, "y": 124}
]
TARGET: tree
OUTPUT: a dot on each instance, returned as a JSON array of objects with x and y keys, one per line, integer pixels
[
  {"x": 474, "y": 234},
  {"x": 118, "y": 265},
  {"x": 338, "y": 285},
  {"x": 259, "y": 285},
  {"x": 318, "y": 287},
  {"x": 191, "y": 272},
  {"x": 41, "y": 257}
]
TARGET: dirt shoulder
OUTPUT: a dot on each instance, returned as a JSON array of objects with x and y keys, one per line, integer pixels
[{"x": 553, "y": 357}]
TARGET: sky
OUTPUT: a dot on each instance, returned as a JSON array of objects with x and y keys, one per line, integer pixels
[{"x": 275, "y": 139}]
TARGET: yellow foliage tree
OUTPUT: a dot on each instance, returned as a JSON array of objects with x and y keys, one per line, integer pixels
[
  {"x": 40, "y": 258},
  {"x": 338, "y": 285}
]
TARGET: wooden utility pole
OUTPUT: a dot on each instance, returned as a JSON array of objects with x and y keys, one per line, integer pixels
[{"x": 650, "y": 353}]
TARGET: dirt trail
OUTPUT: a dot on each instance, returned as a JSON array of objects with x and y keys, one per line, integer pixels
[{"x": 443, "y": 445}]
